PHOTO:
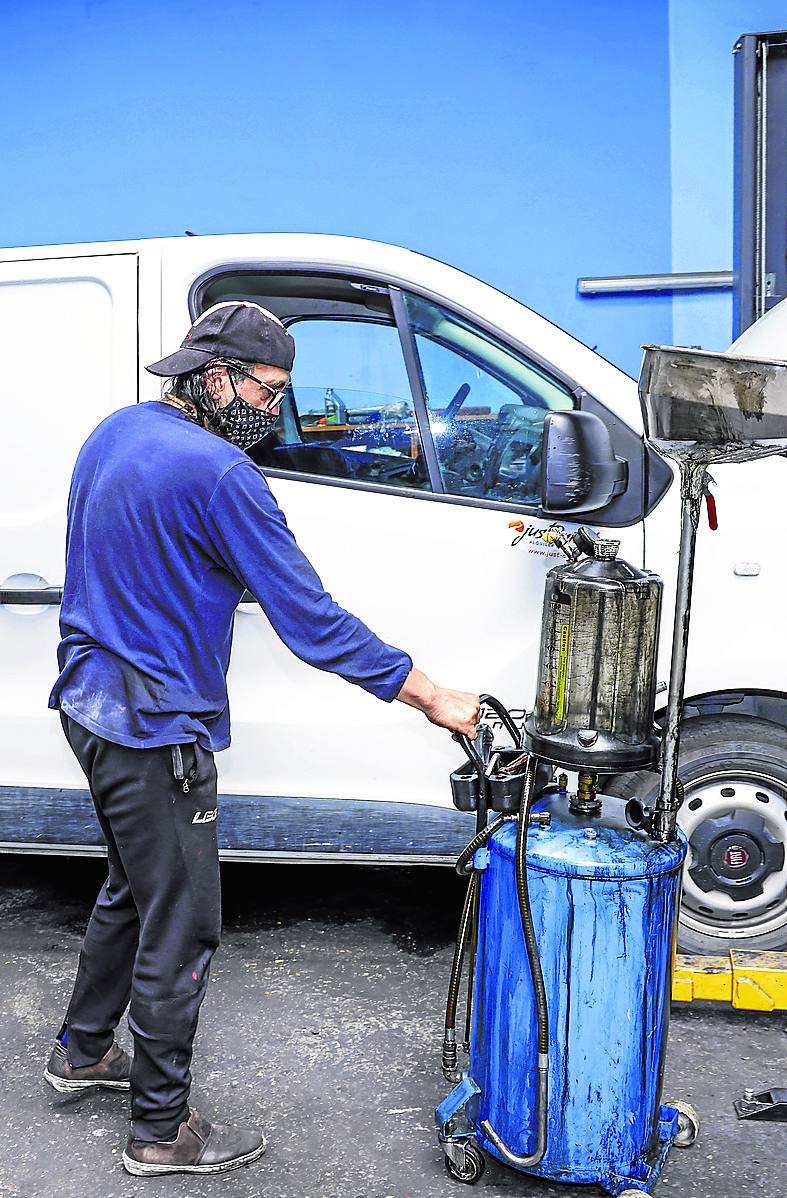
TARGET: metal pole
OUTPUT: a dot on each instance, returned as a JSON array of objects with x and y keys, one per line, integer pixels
[{"x": 692, "y": 484}]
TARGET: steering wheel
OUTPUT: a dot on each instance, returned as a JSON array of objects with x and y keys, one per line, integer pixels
[
  {"x": 497, "y": 452},
  {"x": 455, "y": 404}
]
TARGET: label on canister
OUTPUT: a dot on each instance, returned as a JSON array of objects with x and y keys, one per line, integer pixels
[{"x": 563, "y": 639}]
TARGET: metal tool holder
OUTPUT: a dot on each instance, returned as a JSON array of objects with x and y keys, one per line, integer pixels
[{"x": 490, "y": 778}]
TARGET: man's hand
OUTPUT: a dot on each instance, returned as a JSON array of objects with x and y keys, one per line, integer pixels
[{"x": 457, "y": 711}]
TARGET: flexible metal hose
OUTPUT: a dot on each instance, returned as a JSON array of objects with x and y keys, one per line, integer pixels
[
  {"x": 471, "y": 968},
  {"x": 463, "y": 865},
  {"x": 450, "y": 1071},
  {"x": 466, "y": 926}
]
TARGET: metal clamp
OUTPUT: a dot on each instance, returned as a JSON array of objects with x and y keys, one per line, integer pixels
[{"x": 769, "y": 1106}]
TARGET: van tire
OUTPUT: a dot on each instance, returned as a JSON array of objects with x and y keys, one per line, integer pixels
[{"x": 734, "y": 770}]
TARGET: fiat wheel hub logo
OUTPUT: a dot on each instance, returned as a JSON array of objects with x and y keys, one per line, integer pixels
[{"x": 736, "y": 856}]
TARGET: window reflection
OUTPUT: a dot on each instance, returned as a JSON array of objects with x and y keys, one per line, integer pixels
[
  {"x": 349, "y": 412},
  {"x": 486, "y": 406}
]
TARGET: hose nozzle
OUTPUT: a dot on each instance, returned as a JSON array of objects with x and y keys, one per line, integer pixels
[{"x": 450, "y": 1071}]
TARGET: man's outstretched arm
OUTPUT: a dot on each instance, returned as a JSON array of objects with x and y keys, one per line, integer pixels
[
  {"x": 456, "y": 710},
  {"x": 251, "y": 537}
]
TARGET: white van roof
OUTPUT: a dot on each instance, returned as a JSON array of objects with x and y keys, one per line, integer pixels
[{"x": 766, "y": 338}]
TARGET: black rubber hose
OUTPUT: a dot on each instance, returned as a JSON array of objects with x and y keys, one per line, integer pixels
[
  {"x": 500, "y": 710},
  {"x": 472, "y": 752},
  {"x": 482, "y": 813},
  {"x": 477, "y": 758},
  {"x": 485, "y": 745},
  {"x": 480, "y": 768},
  {"x": 531, "y": 945}
]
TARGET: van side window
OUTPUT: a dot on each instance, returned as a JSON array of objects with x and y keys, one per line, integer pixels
[
  {"x": 349, "y": 411},
  {"x": 486, "y": 406}
]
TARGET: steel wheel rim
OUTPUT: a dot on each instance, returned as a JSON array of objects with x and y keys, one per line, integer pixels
[{"x": 714, "y": 913}]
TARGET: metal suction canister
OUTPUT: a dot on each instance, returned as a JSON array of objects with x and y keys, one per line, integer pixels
[
  {"x": 603, "y": 900},
  {"x": 597, "y": 665}
]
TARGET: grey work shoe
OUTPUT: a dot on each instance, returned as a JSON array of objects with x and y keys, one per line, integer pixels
[
  {"x": 112, "y": 1072},
  {"x": 200, "y": 1147}
]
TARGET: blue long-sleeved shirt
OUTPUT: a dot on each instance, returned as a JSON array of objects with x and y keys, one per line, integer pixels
[{"x": 167, "y": 525}]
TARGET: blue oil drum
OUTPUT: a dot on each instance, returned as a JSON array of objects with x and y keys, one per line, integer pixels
[{"x": 604, "y": 900}]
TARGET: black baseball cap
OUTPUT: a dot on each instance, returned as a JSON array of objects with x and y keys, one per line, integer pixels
[{"x": 233, "y": 329}]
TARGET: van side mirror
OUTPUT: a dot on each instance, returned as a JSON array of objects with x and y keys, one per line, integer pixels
[{"x": 579, "y": 470}]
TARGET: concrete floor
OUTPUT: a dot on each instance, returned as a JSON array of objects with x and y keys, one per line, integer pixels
[{"x": 323, "y": 1024}]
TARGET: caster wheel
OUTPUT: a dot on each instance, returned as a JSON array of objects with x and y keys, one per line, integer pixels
[
  {"x": 473, "y": 1167},
  {"x": 633, "y": 1194},
  {"x": 688, "y": 1124}
]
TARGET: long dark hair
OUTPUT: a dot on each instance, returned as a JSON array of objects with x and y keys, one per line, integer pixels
[{"x": 192, "y": 388}]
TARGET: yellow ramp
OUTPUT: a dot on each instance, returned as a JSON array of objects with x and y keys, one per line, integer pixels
[{"x": 749, "y": 981}]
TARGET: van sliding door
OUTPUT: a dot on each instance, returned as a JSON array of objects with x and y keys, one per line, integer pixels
[{"x": 68, "y": 339}]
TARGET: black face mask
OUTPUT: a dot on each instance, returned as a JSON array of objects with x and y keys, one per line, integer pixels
[{"x": 242, "y": 424}]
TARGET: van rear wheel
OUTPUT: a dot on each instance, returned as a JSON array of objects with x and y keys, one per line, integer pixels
[{"x": 734, "y": 814}]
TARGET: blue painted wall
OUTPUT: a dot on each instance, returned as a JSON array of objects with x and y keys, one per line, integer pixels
[{"x": 525, "y": 143}]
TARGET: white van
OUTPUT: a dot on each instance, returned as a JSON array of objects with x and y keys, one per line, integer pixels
[{"x": 408, "y": 462}]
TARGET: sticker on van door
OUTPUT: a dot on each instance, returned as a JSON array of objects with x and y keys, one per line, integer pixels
[{"x": 533, "y": 536}]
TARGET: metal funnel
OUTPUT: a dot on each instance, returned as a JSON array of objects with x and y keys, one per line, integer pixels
[
  {"x": 705, "y": 407},
  {"x": 700, "y": 408}
]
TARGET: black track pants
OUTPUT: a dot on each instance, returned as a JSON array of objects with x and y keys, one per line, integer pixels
[{"x": 156, "y": 922}]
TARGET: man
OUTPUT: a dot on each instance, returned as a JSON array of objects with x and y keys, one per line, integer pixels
[{"x": 168, "y": 522}]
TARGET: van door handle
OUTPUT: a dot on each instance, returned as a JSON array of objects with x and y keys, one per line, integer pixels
[{"x": 31, "y": 595}]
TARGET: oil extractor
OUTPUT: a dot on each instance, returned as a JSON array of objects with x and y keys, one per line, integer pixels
[{"x": 572, "y": 901}]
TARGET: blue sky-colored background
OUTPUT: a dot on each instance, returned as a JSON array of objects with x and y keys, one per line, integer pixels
[{"x": 527, "y": 143}]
